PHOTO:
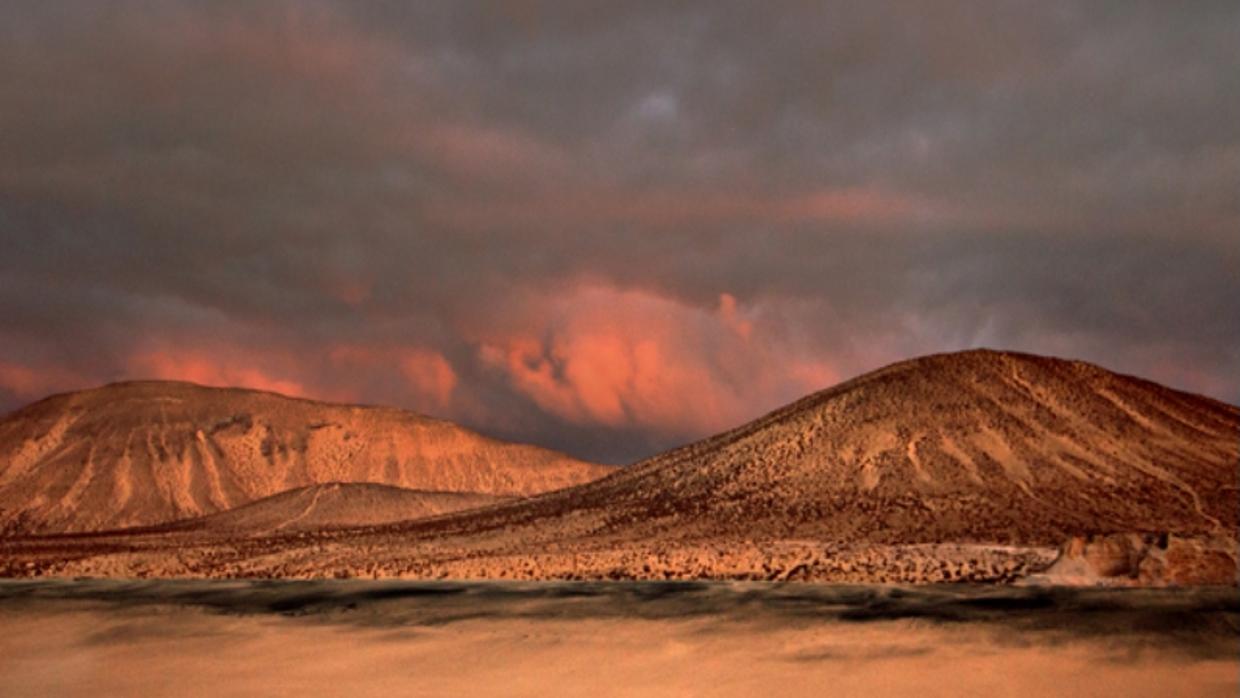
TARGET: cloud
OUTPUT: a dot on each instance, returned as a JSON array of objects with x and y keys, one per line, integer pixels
[
  {"x": 210, "y": 369},
  {"x": 29, "y": 383},
  {"x": 611, "y": 228},
  {"x": 428, "y": 376},
  {"x": 634, "y": 359}
]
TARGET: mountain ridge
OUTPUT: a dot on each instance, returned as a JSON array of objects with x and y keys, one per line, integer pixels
[
  {"x": 139, "y": 453},
  {"x": 979, "y": 466}
]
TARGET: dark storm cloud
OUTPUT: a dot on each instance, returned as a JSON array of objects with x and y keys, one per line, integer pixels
[{"x": 611, "y": 227}]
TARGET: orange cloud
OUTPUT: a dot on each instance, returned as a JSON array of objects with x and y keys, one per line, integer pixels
[
  {"x": 37, "y": 381},
  {"x": 598, "y": 355},
  {"x": 854, "y": 204},
  {"x": 730, "y": 317},
  {"x": 209, "y": 369},
  {"x": 483, "y": 152},
  {"x": 428, "y": 373}
]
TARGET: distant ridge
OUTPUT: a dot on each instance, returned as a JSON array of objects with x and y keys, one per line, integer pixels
[
  {"x": 147, "y": 452},
  {"x": 334, "y": 505}
]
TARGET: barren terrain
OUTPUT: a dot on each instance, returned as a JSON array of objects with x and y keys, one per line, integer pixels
[
  {"x": 979, "y": 466},
  {"x": 333, "y": 505},
  {"x": 146, "y": 453}
]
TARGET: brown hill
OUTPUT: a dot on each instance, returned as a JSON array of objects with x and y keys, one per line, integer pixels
[
  {"x": 334, "y": 505},
  {"x": 980, "y": 466},
  {"x": 142, "y": 453},
  {"x": 972, "y": 446}
]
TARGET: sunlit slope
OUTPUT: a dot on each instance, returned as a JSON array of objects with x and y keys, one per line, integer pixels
[
  {"x": 142, "y": 453},
  {"x": 972, "y": 446},
  {"x": 334, "y": 505}
]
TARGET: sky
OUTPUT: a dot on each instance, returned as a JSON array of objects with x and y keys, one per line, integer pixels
[{"x": 611, "y": 228}]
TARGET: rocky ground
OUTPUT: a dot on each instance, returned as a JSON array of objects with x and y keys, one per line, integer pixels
[{"x": 1118, "y": 560}]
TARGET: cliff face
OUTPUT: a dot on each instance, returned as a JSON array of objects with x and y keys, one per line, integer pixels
[{"x": 137, "y": 454}]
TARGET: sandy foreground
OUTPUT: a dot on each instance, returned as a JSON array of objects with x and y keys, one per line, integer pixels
[{"x": 349, "y": 638}]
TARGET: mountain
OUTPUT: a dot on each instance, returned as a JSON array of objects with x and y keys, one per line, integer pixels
[
  {"x": 980, "y": 445},
  {"x": 334, "y": 505},
  {"x": 979, "y": 466},
  {"x": 143, "y": 453}
]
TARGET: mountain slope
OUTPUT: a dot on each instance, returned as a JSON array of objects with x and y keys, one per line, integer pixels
[
  {"x": 142, "y": 453},
  {"x": 334, "y": 505},
  {"x": 973, "y": 467},
  {"x": 974, "y": 446}
]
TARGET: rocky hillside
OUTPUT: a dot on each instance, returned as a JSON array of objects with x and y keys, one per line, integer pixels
[
  {"x": 333, "y": 505},
  {"x": 143, "y": 453},
  {"x": 974, "y": 446},
  {"x": 980, "y": 466}
]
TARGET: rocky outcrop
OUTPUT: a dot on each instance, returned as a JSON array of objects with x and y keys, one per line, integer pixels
[{"x": 1143, "y": 559}]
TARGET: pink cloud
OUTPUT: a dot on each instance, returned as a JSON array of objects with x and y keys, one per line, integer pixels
[
  {"x": 623, "y": 358},
  {"x": 427, "y": 373},
  {"x": 30, "y": 382},
  {"x": 210, "y": 368},
  {"x": 483, "y": 152},
  {"x": 730, "y": 317}
]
